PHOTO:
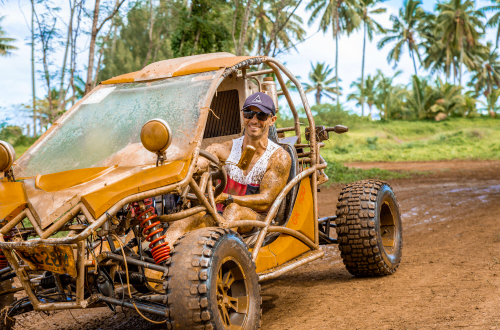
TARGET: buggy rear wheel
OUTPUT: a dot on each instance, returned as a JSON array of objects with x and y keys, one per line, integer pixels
[
  {"x": 212, "y": 282},
  {"x": 5, "y": 302},
  {"x": 369, "y": 228}
]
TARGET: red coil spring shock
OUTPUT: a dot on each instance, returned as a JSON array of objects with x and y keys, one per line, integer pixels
[
  {"x": 152, "y": 230},
  {"x": 3, "y": 261}
]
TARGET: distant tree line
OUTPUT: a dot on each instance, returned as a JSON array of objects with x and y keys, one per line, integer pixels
[{"x": 126, "y": 35}]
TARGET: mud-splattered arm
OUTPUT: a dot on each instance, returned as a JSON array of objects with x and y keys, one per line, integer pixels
[{"x": 219, "y": 150}]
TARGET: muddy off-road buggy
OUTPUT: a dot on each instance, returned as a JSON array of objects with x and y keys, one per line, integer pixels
[{"x": 86, "y": 213}]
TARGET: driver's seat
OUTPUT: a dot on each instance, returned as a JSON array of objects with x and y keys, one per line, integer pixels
[
  {"x": 285, "y": 210},
  {"x": 286, "y": 207}
]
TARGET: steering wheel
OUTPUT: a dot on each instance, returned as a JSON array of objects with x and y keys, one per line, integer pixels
[{"x": 220, "y": 174}]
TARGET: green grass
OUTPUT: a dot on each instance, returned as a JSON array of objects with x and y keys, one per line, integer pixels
[
  {"x": 339, "y": 173},
  {"x": 378, "y": 141},
  {"x": 456, "y": 138}
]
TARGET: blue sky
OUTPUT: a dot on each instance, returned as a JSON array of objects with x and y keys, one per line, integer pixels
[{"x": 15, "y": 85}]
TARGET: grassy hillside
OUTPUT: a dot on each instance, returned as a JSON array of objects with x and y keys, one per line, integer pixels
[{"x": 456, "y": 138}]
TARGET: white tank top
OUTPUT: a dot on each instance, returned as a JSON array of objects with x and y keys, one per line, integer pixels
[{"x": 254, "y": 177}]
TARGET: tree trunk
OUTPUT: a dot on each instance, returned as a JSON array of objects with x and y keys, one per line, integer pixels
[
  {"x": 196, "y": 39},
  {"x": 90, "y": 67},
  {"x": 45, "y": 61},
  {"x": 152, "y": 20},
  {"x": 33, "y": 64},
  {"x": 336, "y": 69},
  {"x": 318, "y": 96},
  {"x": 274, "y": 30},
  {"x": 416, "y": 76},
  {"x": 362, "y": 91},
  {"x": 244, "y": 27},
  {"x": 461, "y": 62},
  {"x": 236, "y": 5},
  {"x": 60, "y": 101},
  {"x": 183, "y": 34}
]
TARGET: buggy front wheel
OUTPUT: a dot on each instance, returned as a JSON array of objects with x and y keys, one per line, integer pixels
[{"x": 212, "y": 282}]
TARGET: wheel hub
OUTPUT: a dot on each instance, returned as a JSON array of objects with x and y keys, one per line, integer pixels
[{"x": 232, "y": 294}]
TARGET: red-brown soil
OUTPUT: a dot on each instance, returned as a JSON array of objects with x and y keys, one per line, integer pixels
[{"x": 449, "y": 277}]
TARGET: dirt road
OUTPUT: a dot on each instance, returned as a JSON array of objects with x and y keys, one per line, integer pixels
[{"x": 449, "y": 277}]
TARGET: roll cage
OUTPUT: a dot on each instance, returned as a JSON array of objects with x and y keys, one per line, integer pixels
[{"x": 76, "y": 238}]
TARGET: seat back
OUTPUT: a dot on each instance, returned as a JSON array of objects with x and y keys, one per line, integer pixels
[{"x": 286, "y": 207}]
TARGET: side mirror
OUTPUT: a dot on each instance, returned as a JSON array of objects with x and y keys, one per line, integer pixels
[
  {"x": 7, "y": 156},
  {"x": 156, "y": 136},
  {"x": 246, "y": 157},
  {"x": 322, "y": 132}
]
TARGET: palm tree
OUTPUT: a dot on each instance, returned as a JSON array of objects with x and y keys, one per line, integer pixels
[
  {"x": 321, "y": 81},
  {"x": 494, "y": 21},
  {"x": 342, "y": 16},
  {"x": 5, "y": 46},
  {"x": 459, "y": 22},
  {"x": 388, "y": 97},
  {"x": 284, "y": 29},
  {"x": 420, "y": 90},
  {"x": 370, "y": 26},
  {"x": 365, "y": 94},
  {"x": 492, "y": 101},
  {"x": 404, "y": 31},
  {"x": 487, "y": 72},
  {"x": 449, "y": 99}
]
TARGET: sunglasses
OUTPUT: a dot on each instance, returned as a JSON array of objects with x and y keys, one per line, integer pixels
[{"x": 249, "y": 114}]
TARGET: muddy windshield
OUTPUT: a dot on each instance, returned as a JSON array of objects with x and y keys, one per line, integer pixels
[{"x": 105, "y": 129}]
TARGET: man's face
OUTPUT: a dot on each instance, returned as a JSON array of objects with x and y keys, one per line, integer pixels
[{"x": 255, "y": 128}]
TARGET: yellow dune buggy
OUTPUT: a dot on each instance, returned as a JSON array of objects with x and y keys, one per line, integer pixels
[{"x": 86, "y": 212}]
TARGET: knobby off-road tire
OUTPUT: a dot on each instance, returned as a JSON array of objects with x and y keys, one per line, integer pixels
[
  {"x": 369, "y": 228},
  {"x": 212, "y": 282},
  {"x": 5, "y": 302}
]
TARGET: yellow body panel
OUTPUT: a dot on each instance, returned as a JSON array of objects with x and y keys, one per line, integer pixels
[
  {"x": 54, "y": 258},
  {"x": 210, "y": 65},
  {"x": 124, "y": 78},
  {"x": 101, "y": 200},
  {"x": 286, "y": 247},
  {"x": 12, "y": 199},
  {"x": 180, "y": 67},
  {"x": 62, "y": 180},
  {"x": 265, "y": 260}
]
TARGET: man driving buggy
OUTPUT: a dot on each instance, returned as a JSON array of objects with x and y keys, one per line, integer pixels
[{"x": 249, "y": 194}]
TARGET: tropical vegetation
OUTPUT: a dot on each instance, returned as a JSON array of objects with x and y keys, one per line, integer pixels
[{"x": 127, "y": 35}]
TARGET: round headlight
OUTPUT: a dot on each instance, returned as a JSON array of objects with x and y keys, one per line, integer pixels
[
  {"x": 7, "y": 156},
  {"x": 156, "y": 135}
]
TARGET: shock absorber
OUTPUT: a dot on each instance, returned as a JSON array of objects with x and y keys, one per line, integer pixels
[
  {"x": 152, "y": 230},
  {"x": 3, "y": 260}
]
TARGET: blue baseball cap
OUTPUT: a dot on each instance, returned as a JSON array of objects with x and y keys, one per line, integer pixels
[{"x": 262, "y": 101}]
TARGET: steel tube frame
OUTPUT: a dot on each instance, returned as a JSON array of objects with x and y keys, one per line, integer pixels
[
  {"x": 181, "y": 215},
  {"x": 135, "y": 262},
  {"x": 276, "y": 204},
  {"x": 301, "y": 260},
  {"x": 256, "y": 73},
  {"x": 287, "y": 96},
  {"x": 140, "y": 306},
  {"x": 7, "y": 247}
]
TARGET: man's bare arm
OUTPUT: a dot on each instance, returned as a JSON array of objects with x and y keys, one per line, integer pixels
[
  {"x": 219, "y": 150},
  {"x": 272, "y": 183}
]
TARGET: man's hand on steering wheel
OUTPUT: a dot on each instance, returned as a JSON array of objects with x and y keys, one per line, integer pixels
[{"x": 220, "y": 174}]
